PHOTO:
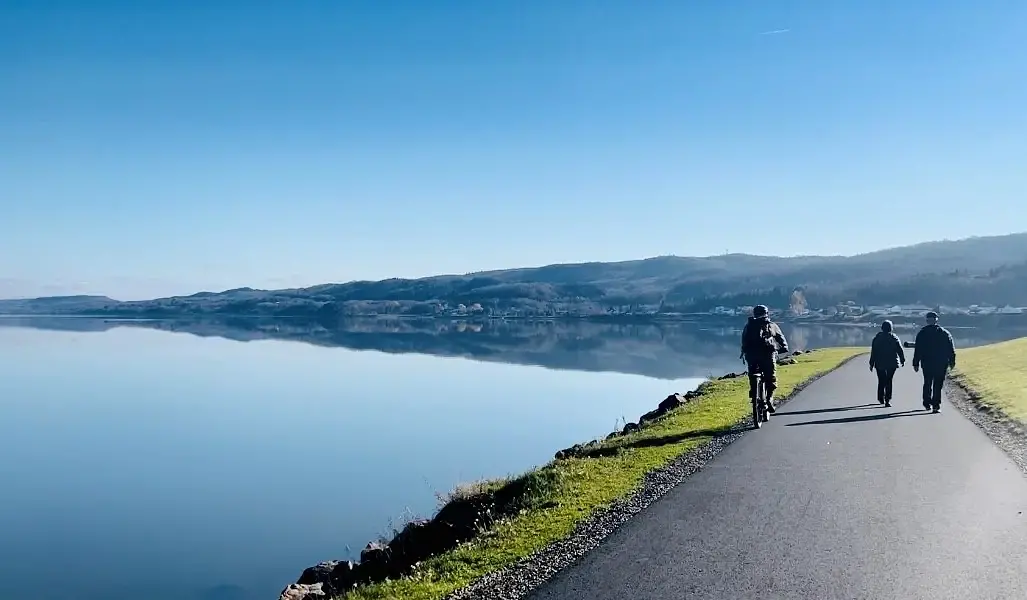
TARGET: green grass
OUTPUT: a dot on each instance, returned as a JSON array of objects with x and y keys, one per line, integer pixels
[
  {"x": 564, "y": 492},
  {"x": 998, "y": 374}
]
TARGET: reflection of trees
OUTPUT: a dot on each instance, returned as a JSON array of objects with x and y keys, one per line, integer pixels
[
  {"x": 797, "y": 302},
  {"x": 798, "y": 338},
  {"x": 661, "y": 350},
  {"x": 820, "y": 336}
]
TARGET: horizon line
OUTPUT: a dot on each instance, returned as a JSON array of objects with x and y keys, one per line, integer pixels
[{"x": 536, "y": 267}]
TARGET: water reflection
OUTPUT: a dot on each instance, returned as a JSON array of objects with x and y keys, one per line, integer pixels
[{"x": 672, "y": 350}]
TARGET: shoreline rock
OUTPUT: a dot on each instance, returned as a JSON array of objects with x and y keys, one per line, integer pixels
[{"x": 302, "y": 591}]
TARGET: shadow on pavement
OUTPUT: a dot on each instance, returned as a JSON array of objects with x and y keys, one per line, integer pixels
[
  {"x": 817, "y": 411},
  {"x": 658, "y": 441},
  {"x": 860, "y": 419}
]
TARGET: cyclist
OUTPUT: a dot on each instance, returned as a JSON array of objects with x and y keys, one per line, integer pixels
[{"x": 762, "y": 339}]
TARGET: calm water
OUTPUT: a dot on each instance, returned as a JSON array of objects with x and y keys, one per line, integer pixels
[
  {"x": 206, "y": 468},
  {"x": 174, "y": 461}
]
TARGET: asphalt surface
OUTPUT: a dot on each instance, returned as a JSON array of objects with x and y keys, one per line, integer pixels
[{"x": 837, "y": 497}]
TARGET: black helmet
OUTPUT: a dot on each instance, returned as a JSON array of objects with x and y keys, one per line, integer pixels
[{"x": 760, "y": 311}]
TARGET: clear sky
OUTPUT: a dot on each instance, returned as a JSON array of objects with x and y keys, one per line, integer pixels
[{"x": 164, "y": 147}]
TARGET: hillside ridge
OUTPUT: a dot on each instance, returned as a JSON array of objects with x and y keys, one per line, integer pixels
[{"x": 981, "y": 269}]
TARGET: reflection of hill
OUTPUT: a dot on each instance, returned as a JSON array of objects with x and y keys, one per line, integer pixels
[
  {"x": 578, "y": 346},
  {"x": 59, "y": 323},
  {"x": 665, "y": 351}
]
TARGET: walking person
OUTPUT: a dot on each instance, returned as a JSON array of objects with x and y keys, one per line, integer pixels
[
  {"x": 936, "y": 353},
  {"x": 887, "y": 356}
]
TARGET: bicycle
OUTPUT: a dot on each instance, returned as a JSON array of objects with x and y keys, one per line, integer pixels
[{"x": 760, "y": 414}]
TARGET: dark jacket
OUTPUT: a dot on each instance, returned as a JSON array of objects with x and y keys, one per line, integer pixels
[
  {"x": 886, "y": 351},
  {"x": 762, "y": 339},
  {"x": 935, "y": 350}
]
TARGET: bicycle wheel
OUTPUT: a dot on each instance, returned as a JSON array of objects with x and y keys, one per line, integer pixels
[
  {"x": 755, "y": 399},
  {"x": 764, "y": 401}
]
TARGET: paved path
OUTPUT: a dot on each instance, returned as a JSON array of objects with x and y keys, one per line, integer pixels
[{"x": 856, "y": 501}]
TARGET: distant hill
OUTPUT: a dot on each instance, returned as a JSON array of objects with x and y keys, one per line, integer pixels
[
  {"x": 55, "y": 305},
  {"x": 970, "y": 271}
]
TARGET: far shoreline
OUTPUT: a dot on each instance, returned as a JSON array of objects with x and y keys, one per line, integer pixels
[{"x": 900, "y": 322}]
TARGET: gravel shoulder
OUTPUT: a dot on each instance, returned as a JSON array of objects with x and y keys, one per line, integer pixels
[{"x": 1006, "y": 433}]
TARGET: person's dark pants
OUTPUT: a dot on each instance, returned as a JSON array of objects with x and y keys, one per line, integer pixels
[
  {"x": 884, "y": 384},
  {"x": 768, "y": 368},
  {"x": 934, "y": 380}
]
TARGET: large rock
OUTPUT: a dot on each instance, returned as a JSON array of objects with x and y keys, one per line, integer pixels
[
  {"x": 466, "y": 516},
  {"x": 651, "y": 416},
  {"x": 787, "y": 360},
  {"x": 575, "y": 450},
  {"x": 374, "y": 552},
  {"x": 422, "y": 539},
  {"x": 334, "y": 576},
  {"x": 375, "y": 562},
  {"x": 303, "y": 591},
  {"x": 671, "y": 402}
]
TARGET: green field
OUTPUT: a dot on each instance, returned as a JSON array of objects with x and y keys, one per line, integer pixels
[
  {"x": 998, "y": 374},
  {"x": 563, "y": 492}
]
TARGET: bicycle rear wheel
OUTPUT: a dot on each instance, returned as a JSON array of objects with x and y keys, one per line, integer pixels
[
  {"x": 764, "y": 401},
  {"x": 757, "y": 416}
]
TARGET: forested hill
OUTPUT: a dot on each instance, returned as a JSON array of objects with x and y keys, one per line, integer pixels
[{"x": 971, "y": 271}]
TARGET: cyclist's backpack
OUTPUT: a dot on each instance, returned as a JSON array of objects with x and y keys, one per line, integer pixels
[{"x": 761, "y": 338}]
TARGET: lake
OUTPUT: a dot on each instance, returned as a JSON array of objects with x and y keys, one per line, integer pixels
[{"x": 216, "y": 460}]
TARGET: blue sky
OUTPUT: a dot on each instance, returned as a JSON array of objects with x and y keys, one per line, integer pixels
[{"x": 155, "y": 148}]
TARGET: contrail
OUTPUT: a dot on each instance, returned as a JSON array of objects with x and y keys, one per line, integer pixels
[{"x": 775, "y": 31}]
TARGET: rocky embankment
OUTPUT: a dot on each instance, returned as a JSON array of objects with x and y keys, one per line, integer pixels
[{"x": 457, "y": 522}]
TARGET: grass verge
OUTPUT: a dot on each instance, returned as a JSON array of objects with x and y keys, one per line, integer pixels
[
  {"x": 564, "y": 492},
  {"x": 997, "y": 376}
]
